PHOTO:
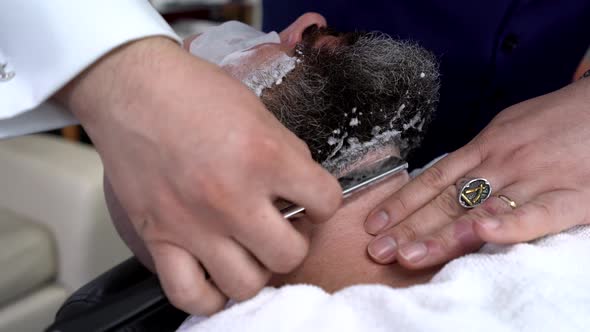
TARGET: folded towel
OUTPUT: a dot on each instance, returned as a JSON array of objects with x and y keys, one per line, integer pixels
[{"x": 538, "y": 286}]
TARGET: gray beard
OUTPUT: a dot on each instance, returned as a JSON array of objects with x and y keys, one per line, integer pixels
[{"x": 347, "y": 100}]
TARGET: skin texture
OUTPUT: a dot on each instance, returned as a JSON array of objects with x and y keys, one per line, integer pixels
[
  {"x": 534, "y": 152},
  {"x": 336, "y": 258},
  {"x": 196, "y": 162}
]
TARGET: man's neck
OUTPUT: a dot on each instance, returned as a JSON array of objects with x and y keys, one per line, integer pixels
[{"x": 338, "y": 257}]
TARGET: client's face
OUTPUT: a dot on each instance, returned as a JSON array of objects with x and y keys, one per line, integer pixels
[{"x": 344, "y": 94}]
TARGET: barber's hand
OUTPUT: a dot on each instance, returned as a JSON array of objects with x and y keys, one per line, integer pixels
[
  {"x": 534, "y": 153},
  {"x": 197, "y": 161}
]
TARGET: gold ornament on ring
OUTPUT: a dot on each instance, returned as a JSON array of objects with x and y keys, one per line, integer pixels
[{"x": 473, "y": 192}]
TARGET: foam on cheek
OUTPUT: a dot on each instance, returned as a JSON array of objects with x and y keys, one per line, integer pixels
[
  {"x": 346, "y": 150},
  {"x": 271, "y": 72},
  {"x": 354, "y": 148},
  {"x": 231, "y": 45}
]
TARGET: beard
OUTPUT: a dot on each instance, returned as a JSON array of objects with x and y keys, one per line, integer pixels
[{"x": 366, "y": 92}]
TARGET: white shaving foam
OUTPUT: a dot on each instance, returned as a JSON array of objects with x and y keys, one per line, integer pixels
[
  {"x": 355, "y": 148},
  {"x": 412, "y": 124},
  {"x": 333, "y": 140},
  {"x": 350, "y": 152},
  {"x": 231, "y": 43},
  {"x": 273, "y": 72},
  {"x": 339, "y": 142}
]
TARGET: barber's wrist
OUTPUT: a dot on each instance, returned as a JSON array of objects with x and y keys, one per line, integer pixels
[{"x": 114, "y": 78}]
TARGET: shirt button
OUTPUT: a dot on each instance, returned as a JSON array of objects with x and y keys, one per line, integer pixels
[
  {"x": 5, "y": 76},
  {"x": 509, "y": 43}
]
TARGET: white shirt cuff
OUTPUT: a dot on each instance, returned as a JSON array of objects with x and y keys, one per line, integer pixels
[{"x": 48, "y": 43}]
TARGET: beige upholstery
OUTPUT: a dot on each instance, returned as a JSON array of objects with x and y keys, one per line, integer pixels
[
  {"x": 27, "y": 256},
  {"x": 33, "y": 312},
  {"x": 55, "y": 233}
]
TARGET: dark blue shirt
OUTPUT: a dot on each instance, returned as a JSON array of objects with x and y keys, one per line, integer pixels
[{"x": 493, "y": 53}]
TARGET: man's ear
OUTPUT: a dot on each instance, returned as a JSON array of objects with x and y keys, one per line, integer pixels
[{"x": 294, "y": 33}]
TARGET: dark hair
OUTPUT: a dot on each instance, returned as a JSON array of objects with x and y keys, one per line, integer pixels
[{"x": 367, "y": 91}]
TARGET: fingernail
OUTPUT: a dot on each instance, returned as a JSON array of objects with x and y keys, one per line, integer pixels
[
  {"x": 383, "y": 248},
  {"x": 413, "y": 252},
  {"x": 489, "y": 223},
  {"x": 376, "y": 222}
]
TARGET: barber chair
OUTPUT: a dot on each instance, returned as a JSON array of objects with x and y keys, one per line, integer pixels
[
  {"x": 126, "y": 298},
  {"x": 55, "y": 230}
]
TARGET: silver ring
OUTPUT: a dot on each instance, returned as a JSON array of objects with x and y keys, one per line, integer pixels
[{"x": 473, "y": 192}]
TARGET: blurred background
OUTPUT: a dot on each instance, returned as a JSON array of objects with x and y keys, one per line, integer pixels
[{"x": 55, "y": 232}]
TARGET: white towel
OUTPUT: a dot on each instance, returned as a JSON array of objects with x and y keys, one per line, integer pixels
[{"x": 539, "y": 286}]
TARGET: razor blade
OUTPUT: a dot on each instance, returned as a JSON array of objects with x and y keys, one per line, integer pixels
[{"x": 358, "y": 180}]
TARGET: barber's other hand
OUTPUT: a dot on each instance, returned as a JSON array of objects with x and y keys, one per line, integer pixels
[
  {"x": 197, "y": 161},
  {"x": 535, "y": 153}
]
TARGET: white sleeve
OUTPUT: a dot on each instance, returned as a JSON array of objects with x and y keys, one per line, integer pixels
[{"x": 45, "y": 44}]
